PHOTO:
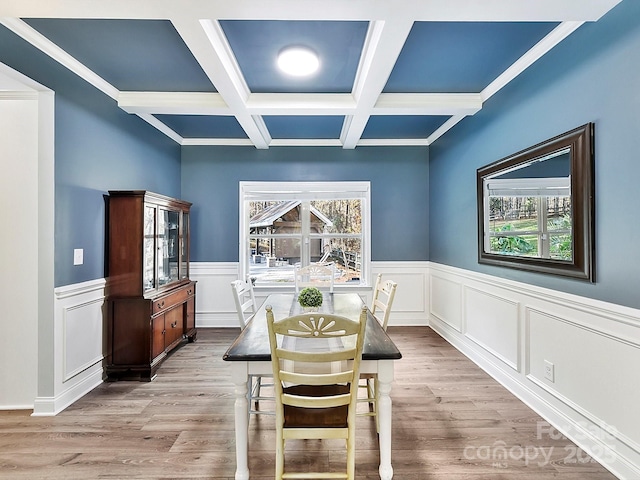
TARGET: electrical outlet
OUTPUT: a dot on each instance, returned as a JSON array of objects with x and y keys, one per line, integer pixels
[
  {"x": 78, "y": 256},
  {"x": 549, "y": 370}
]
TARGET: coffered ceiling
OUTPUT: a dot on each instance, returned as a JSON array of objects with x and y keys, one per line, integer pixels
[{"x": 203, "y": 72}]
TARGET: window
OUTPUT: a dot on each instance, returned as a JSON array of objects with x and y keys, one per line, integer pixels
[{"x": 287, "y": 223}]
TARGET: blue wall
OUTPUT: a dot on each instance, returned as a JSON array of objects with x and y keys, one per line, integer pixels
[
  {"x": 423, "y": 202},
  {"x": 593, "y": 76},
  {"x": 399, "y": 179},
  {"x": 98, "y": 147}
]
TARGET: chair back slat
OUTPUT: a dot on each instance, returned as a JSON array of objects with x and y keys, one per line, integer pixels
[
  {"x": 383, "y": 294},
  {"x": 316, "y": 379},
  {"x": 316, "y": 402},
  {"x": 319, "y": 357}
]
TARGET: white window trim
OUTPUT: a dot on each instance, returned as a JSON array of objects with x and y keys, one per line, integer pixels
[
  {"x": 529, "y": 187},
  {"x": 257, "y": 191}
]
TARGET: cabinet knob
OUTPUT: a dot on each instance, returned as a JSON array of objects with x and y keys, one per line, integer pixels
[
  {"x": 161, "y": 304},
  {"x": 174, "y": 324}
]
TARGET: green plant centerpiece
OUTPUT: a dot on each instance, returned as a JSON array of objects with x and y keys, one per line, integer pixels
[{"x": 310, "y": 298}]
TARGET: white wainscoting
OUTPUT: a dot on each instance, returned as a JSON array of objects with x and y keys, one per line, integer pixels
[
  {"x": 79, "y": 329},
  {"x": 510, "y": 329},
  {"x": 78, "y": 345},
  {"x": 215, "y": 306},
  {"x": 410, "y": 304},
  {"x": 214, "y": 303}
]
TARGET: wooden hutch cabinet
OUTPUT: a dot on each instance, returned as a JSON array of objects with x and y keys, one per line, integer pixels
[{"x": 150, "y": 298}]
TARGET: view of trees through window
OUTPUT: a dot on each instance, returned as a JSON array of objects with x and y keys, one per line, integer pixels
[
  {"x": 285, "y": 233},
  {"x": 535, "y": 226}
]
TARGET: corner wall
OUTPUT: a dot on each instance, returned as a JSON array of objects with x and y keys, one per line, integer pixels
[
  {"x": 592, "y": 76},
  {"x": 19, "y": 156}
]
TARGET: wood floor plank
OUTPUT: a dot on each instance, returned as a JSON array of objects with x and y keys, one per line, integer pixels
[{"x": 450, "y": 421}]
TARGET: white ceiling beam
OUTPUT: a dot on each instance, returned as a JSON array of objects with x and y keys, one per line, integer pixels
[
  {"x": 444, "y": 128},
  {"x": 153, "y": 121},
  {"x": 423, "y": 10},
  {"x": 382, "y": 46},
  {"x": 200, "y": 103},
  {"x": 301, "y": 104},
  {"x": 217, "y": 142},
  {"x": 305, "y": 142},
  {"x": 210, "y": 48},
  {"x": 427, "y": 104},
  {"x": 393, "y": 142},
  {"x": 173, "y": 103}
]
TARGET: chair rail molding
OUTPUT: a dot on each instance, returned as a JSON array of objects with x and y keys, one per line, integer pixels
[{"x": 570, "y": 358}]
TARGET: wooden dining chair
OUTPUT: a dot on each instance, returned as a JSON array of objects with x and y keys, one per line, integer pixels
[
  {"x": 246, "y": 307},
  {"x": 383, "y": 295},
  {"x": 316, "y": 361},
  {"x": 317, "y": 275},
  {"x": 245, "y": 301}
]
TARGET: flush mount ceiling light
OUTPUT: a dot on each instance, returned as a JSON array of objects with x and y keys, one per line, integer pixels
[{"x": 298, "y": 61}]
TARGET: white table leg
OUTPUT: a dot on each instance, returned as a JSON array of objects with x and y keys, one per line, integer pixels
[
  {"x": 240, "y": 376},
  {"x": 385, "y": 377}
]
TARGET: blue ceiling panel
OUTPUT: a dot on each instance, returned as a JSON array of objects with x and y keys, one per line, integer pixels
[
  {"x": 132, "y": 55},
  {"x": 256, "y": 44},
  {"x": 402, "y": 126},
  {"x": 460, "y": 57},
  {"x": 203, "y": 126},
  {"x": 312, "y": 126}
]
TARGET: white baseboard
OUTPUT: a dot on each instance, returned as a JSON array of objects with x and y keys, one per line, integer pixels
[{"x": 48, "y": 406}]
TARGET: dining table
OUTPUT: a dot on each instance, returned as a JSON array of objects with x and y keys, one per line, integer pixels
[{"x": 250, "y": 355}]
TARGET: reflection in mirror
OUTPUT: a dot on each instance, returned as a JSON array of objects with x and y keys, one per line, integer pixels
[
  {"x": 529, "y": 209},
  {"x": 535, "y": 208}
]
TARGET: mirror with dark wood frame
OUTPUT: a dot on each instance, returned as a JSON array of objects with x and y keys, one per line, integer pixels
[{"x": 536, "y": 207}]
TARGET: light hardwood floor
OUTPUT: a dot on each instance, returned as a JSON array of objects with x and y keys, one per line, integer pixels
[{"x": 450, "y": 421}]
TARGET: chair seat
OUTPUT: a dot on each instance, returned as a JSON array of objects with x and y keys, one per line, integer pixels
[{"x": 331, "y": 417}]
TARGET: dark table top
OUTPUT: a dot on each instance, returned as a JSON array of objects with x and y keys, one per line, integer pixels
[{"x": 253, "y": 342}]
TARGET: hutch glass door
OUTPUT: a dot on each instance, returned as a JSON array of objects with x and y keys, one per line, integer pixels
[
  {"x": 184, "y": 246},
  {"x": 168, "y": 246},
  {"x": 149, "y": 281}
]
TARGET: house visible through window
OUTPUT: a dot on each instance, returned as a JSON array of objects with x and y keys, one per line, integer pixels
[{"x": 283, "y": 224}]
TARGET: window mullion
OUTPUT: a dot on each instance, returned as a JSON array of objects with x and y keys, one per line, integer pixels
[
  {"x": 305, "y": 227},
  {"x": 545, "y": 251}
]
